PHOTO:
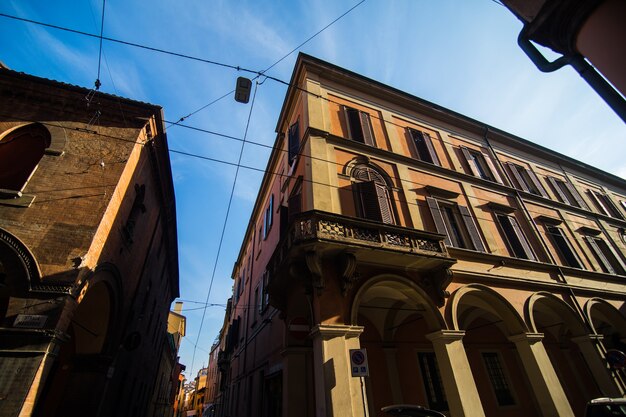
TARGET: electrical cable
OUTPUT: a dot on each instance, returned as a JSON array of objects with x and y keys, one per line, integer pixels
[
  {"x": 280, "y": 174},
  {"x": 98, "y": 83},
  {"x": 230, "y": 200},
  {"x": 275, "y": 63}
]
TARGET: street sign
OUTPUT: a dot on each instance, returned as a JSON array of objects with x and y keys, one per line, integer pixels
[{"x": 358, "y": 362}]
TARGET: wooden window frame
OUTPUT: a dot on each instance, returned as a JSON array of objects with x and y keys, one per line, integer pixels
[
  {"x": 608, "y": 258},
  {"x": 561, "y": 243},
  {"x": 293, "y": 142},
  {"x": 359, "y": 126},
  {"x": 516, "y": 241},
  {"x": 526, "y": 179},
  {"x": 372, "y": 195},
  {"x": 481, "y": 165},
  {"x": 432, "y": 380},
  {"x": 423, "y": 146},
  {"x": 604, "y": 204},
  {"x": 448, "y": 216},
  {"x": 498, "y": 377},
  {"x": 566, "y": 192}
]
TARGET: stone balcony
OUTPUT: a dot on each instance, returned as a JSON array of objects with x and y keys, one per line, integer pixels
[{"x": 315, "y": 241}]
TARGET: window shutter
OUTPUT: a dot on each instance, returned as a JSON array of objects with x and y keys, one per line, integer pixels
[
  {"x": 367, "y": 197},
  {"x": 384, "y": 204},
  {"x": 623, "y": 203},
  {"x": 438, "y": 218},
  {"x": 353, "y": 123},
  {"x": 470, "y": 161},
  {"x": 492, "y": 168},
  {"x": 612, "y": 206},
  {"x": 294, "y": 142},
  {"x": 522, "y": 238},
  {"x": 468, "y": 220},
  {"x": 431, "y": 149},
  {"x": 618, "y": 258},
  {"x": 597, "y": 202},
  {"x": 518, "y": 178},
  {"x": 577, "y": 197},
  {"x": 537, "y": 183},
  {"x": 599, "y": 255},
  {"x": 562, "y": 197},
  {"x": 366, "y": 126}
]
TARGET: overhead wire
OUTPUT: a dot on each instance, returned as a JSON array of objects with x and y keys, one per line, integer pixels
[
  {"x": 98, "y": 83},
  {"x": 225, "y": 223},
  {"x": 181, "y": 119},
  {"x": 283, "y": 175}
]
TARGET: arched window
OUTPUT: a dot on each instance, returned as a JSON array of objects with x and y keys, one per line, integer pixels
[
  {"x": 21, "y": 149},
  {"x": 372, "y": 195}
]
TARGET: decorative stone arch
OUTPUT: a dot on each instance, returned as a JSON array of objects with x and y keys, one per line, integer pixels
[
  {"x": 372, "y": 190},
  {"x": 557, "y": 306},
  {"x": 352, "y": 167},
  {"x": 602, "y": 314},
  {"x": 19, "y": 271},
  {"x": 485, "y": 299},
  {"x": 397, "y": 285}
]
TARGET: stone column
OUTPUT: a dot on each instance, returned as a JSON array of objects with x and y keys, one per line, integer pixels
[
  {"x": 456, "y": 375},
  {"x": 549, "y": 393},
  {"x": 295, "y": 382},
  {"x": 590, "y": 349},
  {"x": 337, "y": 393}
]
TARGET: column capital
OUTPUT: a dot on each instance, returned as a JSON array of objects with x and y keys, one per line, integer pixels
[
  {"x": 587, "y": 338},
  {"x": 531, "y": 338},
  {"x": 446, "y": 335},
  {"x": 329, "y": 331}
]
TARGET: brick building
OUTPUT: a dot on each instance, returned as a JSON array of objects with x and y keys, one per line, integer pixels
[
  {"x": 88, "y": 250},
  {"x": 484, "y": 274}
]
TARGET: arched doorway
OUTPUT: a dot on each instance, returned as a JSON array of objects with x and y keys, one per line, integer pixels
[
  {"x": 607, "y": 321},
  {"x": 77, "y": 380},
  {"x": 397, "y": 315},
  {"x": 564, "y": 336}
]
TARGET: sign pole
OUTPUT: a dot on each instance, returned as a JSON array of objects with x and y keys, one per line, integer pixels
[{"x": 365, "y": 407}]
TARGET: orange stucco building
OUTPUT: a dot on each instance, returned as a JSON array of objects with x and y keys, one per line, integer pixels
[{"x": 483, "y": 274}]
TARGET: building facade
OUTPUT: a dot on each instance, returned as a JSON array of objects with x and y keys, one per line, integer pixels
[
  {"x": 88, "y": 250},
  {"x": 483, "y": 274}
]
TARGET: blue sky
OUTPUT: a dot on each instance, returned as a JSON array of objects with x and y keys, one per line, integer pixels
[{"x": 462, "y": 55}]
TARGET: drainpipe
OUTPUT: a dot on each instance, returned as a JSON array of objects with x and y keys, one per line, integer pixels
[
  {"x": 561, "y": 275},
  {"x": 584, "y": 69}
]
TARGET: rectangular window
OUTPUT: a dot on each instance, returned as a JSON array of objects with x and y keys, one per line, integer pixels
[
  {"x": 501, "y": 389},
  {"x": 432, "y": 381},
  {"x": 480, "y": 165},
  {"x": 526, "y": 180},
  {"x": 565, "y": 251},
  {"x": 566, "y": 193},
  {"x": 268, "y": 218},
  {"x": 424, "y": 146},
  {"x": 609, "y": 260},
  {"x": 293, "y": 145},
  {"x": 604, "y": 204},
  {"x": 456, "y": 223},
  {"x": 514, "y": 237},
  {"x": 359, "y": 126},
  {"x": 265, "y": 296}
]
